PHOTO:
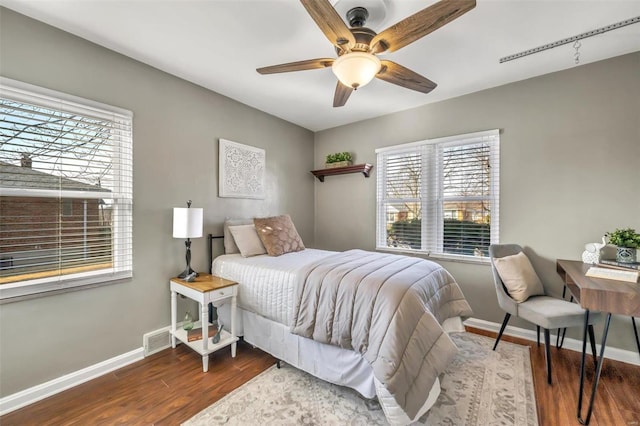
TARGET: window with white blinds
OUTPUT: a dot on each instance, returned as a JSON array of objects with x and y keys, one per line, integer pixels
[
  {"x": 66, "y": 191},
  {"x": 440, "y": 196}
]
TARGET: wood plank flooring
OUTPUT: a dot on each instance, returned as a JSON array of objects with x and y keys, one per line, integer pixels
[{"x": 169, "y": 387}]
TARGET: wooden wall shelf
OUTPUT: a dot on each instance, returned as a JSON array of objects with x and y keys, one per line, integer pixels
[{"x": 364, "y": 168}]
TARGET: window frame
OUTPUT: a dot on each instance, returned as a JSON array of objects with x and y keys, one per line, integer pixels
[
  {"x": 432, "y": 197},
  {"x": 122, "y": 228}
]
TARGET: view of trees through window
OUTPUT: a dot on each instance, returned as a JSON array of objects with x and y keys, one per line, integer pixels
[{"x": 448, "y": 187}]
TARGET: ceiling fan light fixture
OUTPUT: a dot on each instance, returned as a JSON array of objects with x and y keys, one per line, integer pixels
[{"x": 356, "y": 69}]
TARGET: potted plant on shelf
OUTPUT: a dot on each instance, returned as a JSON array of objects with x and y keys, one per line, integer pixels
[
  {"x": 626, "y": 241},
  {"x": 339, "y": 159}
]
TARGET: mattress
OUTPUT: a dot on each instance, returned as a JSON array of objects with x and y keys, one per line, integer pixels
[{"x": 267, "y": 283}]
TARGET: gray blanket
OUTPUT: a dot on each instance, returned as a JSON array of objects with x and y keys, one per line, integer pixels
[{"x": 390, "y": 309}]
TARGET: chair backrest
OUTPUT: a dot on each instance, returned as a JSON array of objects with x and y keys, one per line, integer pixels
[{"x": 504, "y": 300}]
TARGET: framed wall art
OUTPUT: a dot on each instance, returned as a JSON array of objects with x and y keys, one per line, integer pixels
[{"x": 242, "y": 169}]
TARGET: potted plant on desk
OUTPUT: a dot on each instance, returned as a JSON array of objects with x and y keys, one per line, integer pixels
[{"x": 626, "y": 241}]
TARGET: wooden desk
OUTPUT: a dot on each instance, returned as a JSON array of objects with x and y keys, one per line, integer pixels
[{"x": 598, "y": 294}]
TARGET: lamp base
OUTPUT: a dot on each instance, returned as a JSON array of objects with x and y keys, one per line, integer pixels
[{"x": 186, "y": 272}]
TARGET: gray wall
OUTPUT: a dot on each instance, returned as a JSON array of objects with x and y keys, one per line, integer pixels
[
  {"x": 176, "y": 131},
  {"x": 570, "y": 155},
  {"x": 570, "y": 169}
]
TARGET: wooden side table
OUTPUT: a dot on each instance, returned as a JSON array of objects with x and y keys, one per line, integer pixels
[{"x": 205, "y": 289}]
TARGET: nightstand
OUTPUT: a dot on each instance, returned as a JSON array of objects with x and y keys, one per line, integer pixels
[{"x": 205, "y": 289}]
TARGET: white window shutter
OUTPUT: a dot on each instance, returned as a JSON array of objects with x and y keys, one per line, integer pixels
[
  {"x": 440, "y": 196},
  {"x": 66, "y": 191}
]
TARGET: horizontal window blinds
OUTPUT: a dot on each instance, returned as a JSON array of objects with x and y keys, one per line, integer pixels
[
  {"x": 65, "y": 189},
  {"x": 440, "y": 196}
]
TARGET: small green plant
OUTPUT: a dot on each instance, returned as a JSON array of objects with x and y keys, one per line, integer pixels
[
  {"x": 628, "y": 238},
  {"x": 339, "y": 156}
]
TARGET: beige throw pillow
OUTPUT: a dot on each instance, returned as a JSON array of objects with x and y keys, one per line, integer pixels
[
  {"x": 247, "y": 240},
  {"x": 518, "y": 276},
  {"x": 278, "y": 234},
  {"x": 230, "y": 246}
]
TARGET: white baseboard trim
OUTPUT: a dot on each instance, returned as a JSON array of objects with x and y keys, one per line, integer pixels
[
  {"x": 623, "y": 355},
  {"x": 36, "y": 393}
]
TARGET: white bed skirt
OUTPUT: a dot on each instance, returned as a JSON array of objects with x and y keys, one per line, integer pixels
[{"x": 331, "y": 363}]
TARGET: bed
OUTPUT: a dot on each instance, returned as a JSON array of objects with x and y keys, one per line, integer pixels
[{"x": 274, "y": 316}]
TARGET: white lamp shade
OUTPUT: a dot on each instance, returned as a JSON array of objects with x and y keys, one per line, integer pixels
[
  {"x": 187, "y": 222},
  {"x": 356, "y": 69}
]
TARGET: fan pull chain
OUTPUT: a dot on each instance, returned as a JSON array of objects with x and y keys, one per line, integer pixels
[{"x": 577, "y": 45}]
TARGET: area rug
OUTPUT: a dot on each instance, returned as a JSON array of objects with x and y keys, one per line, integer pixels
[{"x": 480, "y": 387}]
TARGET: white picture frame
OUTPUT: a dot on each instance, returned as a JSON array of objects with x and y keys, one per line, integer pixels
[{"x": 241, "y": 170}]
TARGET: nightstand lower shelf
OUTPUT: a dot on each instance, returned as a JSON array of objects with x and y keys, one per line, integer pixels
[{"x": 197, "y": 345}]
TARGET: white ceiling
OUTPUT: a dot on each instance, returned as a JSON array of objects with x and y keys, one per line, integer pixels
[{"x": 218, "y": 44}]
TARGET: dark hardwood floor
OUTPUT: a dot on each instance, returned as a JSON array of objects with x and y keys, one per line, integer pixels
[{"x": 169, "y": 387}]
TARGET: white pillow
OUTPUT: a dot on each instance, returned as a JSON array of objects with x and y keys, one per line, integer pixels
[
  {"x": 247, "y": 239},
  {"x": 518, "y": 276},
  {"x": 230, "y": 246}
]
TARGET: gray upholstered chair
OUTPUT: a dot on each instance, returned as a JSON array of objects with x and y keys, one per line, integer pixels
[{"x": 543, "y": 311}]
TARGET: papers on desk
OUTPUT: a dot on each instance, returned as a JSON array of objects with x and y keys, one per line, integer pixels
[{"x": 613, "y": 274}]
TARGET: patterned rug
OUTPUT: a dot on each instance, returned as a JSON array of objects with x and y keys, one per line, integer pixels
[{"x": 480, "y": 387}]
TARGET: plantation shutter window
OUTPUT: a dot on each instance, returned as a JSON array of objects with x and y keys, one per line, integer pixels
[
  {"x": 66, "y": 191},
  {"x": 440, "y": 196}
]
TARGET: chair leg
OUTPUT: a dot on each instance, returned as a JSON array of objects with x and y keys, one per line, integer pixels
[
  {"x": 547, "y": 352},
  {"x": 504, "y": 324},
  {"x": 538, "y": 334},
  {"x": 592, "y": 339},
  {"x": 560, "y": 330},
  {"x": 560, "y": 342},
  {"x": 635, "y": 331}
]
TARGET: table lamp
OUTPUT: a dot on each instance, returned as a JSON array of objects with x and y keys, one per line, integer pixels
[{"x": 187, "y": 223}]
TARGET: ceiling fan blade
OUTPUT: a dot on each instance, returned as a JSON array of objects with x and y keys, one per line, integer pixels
[
  {"x": 342, "y": 94},
  {"x": 420, "y": 24},
  {"x": 397, "y": 74},
  {"x": 330, "y": 23},
  {"x": 310, "y": 64}
]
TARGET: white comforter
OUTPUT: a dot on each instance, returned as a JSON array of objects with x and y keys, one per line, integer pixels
[{"x": 268, "y": 283}]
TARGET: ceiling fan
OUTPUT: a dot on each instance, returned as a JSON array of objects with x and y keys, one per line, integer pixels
[{"x": 357, "y": 47}]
